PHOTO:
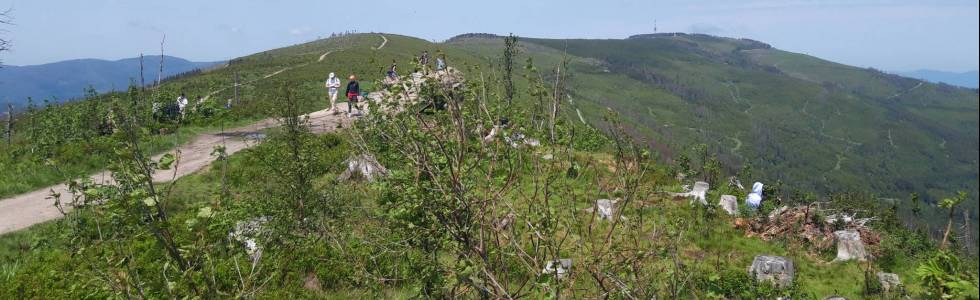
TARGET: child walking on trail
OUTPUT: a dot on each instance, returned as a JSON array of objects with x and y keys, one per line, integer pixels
[
  {"x": 353, "y": 92},
  {"x": 333, "y": 86}
]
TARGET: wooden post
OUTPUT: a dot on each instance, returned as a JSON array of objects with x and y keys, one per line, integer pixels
[{"x": 236, "y": 89}]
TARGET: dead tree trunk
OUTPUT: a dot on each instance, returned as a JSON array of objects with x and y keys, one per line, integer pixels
[{"x": 10, "y": 123}]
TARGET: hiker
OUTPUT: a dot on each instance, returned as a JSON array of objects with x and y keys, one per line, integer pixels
[
  {"x": 440, "y": 63},
  {"x": 424, "y": 62},
  {"x": 393, "y": 70},
  {"x": 181, "y": 103},
  {"x": 424, "y": 59},
  {"x": 333, "y": 85},
  {"x": 754, "y": 199},
  {"x": 353, "y": 91}
]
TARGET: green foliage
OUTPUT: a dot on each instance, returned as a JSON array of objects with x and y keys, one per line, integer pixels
[
  {"x": 944, "y": 278},
  {"x": 433, "y": 227}
]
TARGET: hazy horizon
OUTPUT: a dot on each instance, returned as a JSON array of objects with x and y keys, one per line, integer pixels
[{"x": 866, "y": 33}]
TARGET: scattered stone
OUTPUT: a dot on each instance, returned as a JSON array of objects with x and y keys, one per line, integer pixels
[
  {"x": 606, "y": 207},
  {"x": 700, "y": 192},
  {"x": 364, "y": 166},
  {"x": 505, "y": 222},
  {"x": 835, "y": 297},
  {"x": 777, "y": 269},
  {"x": 248, "y": 233},
  {"x": 735, "y": 183},
  {"x": 548, "y": 156},
  {"x": 680, "y": 176},
  {"x": 729, "y": 203},
  {"x": 312, "y": 282},
  {"x": 849, "y": 245},
  {"x": 776, "y": 213},
  {"x": 559, "y": 267},
  {"x": 889, "y": 281}
]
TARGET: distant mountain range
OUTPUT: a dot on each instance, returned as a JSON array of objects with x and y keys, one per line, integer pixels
[
  {"x": 65, "y": 80},
  {"x": 969, "y": 79}
]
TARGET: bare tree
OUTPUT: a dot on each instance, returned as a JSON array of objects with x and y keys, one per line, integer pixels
[{"x": 4, "y": 43}]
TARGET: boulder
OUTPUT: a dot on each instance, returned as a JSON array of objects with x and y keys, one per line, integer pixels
[
  {"x": 776, "y": 269},
  {"x": 835, "y": 297},
  {"x": 364, "y": 166},
  {"x": 606, "y": 207},
  {"x": 699, "y": 192},
  {"x": 889, "y": 281},
  {"x": 849, "y": 245},
  {"x": 559, "y": 267},
  {"x": 729, "y": 203}
]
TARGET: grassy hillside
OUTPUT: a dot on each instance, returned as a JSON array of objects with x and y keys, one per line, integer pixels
[
  {"x": 459, "y": 215},
  {"x": 821, "y": 126}
]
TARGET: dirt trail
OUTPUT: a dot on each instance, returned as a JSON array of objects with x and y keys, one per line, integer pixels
[
  {"x": 24, "y": 210},
  {"x": 384, "y": 41},
  {"x": 324, "y": 56},
  {"x": 899, "y": 94}
]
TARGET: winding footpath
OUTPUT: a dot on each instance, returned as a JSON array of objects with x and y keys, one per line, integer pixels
[{"x": 22, "y": 211}]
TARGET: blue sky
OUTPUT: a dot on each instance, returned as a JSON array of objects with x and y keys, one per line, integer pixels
[{"x": 894, "y": 35}]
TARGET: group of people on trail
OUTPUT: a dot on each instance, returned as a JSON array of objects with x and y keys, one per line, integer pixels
[{"x": 353, "y": 92}]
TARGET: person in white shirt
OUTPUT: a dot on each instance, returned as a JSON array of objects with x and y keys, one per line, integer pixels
[
  {"x": 754, "y": 199},
  {"x": 181, "y": 104},
  {"x": 333, "y": 85}
]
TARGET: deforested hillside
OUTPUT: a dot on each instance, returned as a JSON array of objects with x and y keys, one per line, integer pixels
[
  {"x": 492, "y": 168},
  {"x": 819, "y": 126}
]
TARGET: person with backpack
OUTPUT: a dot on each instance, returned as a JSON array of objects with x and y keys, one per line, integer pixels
[
  {"x": 333, "y": 86},
  {"x": 393, "y": 70},
  {"x": 353, "y": 92}
]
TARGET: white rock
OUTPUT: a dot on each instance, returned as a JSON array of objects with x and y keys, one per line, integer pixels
[
  {"x": 849, "y": 246},
  {"x": 365, "y": 166},
  {"x": 777, "y": 269},
  {"x": 606, "y": 208},
  {"x": 729, "y": 203},
  {"x": 889, "y": 281},
  {"x": 699, "y": 192},
  {"x": 559, "y": 267}
]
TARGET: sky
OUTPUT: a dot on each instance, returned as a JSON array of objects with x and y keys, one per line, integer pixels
[{"x": 894, "y": 35}]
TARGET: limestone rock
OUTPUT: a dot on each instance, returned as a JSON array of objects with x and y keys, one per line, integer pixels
[
  {"x": 889, "y": 281},
  {"x": 777, "y": 269},
  {"x": 559, "y": 267},
  {"x": 606, "y": 207},
  {"x": 700, "y": 192},
  {"x": 504, "y": 223},
  {"x": 849, "y": 245},
  {"x": 729, "y": 203},
  {"x": 363, "y": 166},
  {"x": 777, "y": 212},
  {"x": 248, "y": 233}
]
